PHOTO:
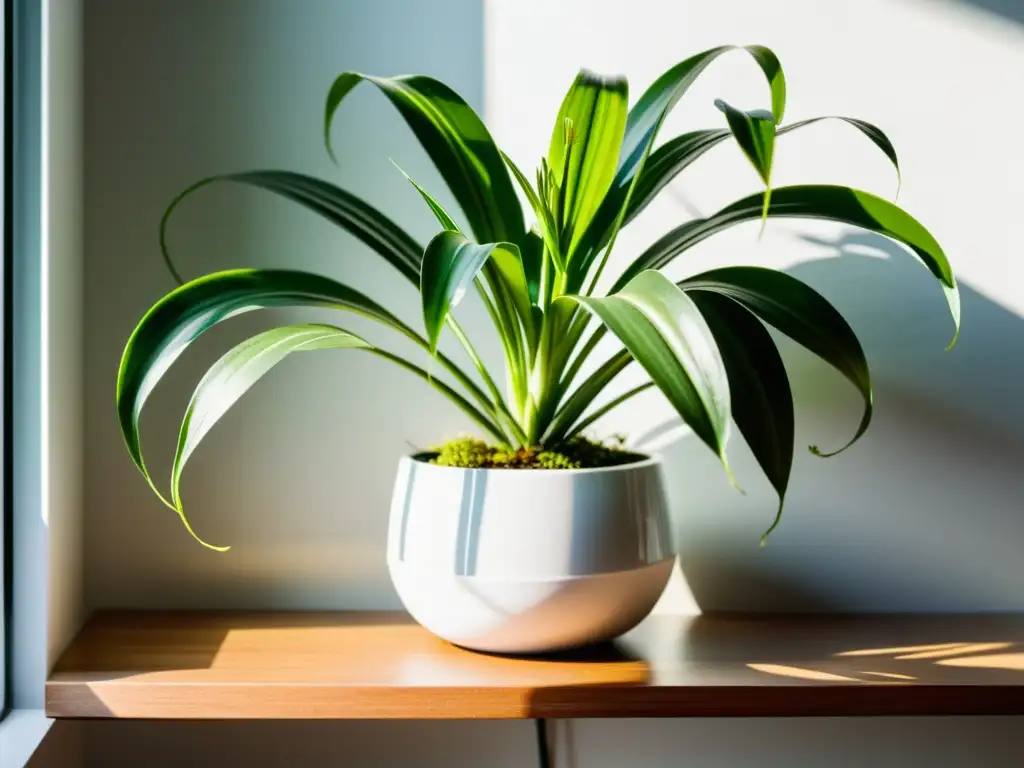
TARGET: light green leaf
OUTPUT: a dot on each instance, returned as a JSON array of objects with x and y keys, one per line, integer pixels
[
  {"x": 762, "y": 402},
  {"x": 548, "y": 230},
  {"x": 584, "y": 150},
  {"x": 800, "y": 312},
  {"x": 450, "y": 263},
  {"x": 446, "y": 221},
  {"x": 841, "y": 204},
  {"x": 232, "y": 376},
  {"x": 665, "y": 332},
  {"x": 458, "y": 143},
  {"x": 642, "y": 126}
]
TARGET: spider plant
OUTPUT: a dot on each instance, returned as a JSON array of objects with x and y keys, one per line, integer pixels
[{"x": 703, "y": 341}]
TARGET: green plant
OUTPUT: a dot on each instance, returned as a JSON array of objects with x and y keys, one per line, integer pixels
[{"x": 703, "y": 341}]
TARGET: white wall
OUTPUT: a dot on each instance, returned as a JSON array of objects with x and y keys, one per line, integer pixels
[
  {"x": 922, "y": 515},
  {"x": 181, "y": 90}
]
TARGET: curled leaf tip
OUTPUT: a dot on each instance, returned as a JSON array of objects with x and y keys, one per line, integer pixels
[
  {"x": 773, "y": 526},
  {"x": 188, "y": 527},
  {"x": 952, "y": 343},
  {"x": 815, "y": 450},
  {"x": 729, "y": 474}
]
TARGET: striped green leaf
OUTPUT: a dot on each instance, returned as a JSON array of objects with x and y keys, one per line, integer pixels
[
  {"x": 762, "y": 402},
  {"x": 676, "y": 155},
  {"x": 232, "y": 376},
  {"x": 642, "y": 127},
  {"x": 841, "y": 204},
  {"x": 181, "y": 316},
  {"x": 333, "y": 203},
  {"x": 458, "y": 143},
  {"x": 584, "y": 151},
  {"x": 450, "y": 264},
  {"x": 664, "y": 331},
  {"x": 800, "y": 312}
]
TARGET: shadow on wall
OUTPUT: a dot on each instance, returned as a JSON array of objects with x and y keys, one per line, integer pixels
[
  {"x": 1007, "y": 9},
  {"x": 924, "y": 513}
]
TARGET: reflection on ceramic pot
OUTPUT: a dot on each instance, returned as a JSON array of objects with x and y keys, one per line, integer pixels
[{"x": 529, "y": 560}]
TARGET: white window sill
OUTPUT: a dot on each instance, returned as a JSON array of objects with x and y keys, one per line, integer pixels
[{"x": 20, "y": 733}]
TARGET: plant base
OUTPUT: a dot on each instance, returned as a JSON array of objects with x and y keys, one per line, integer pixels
[{"x": 575, "y": 453}]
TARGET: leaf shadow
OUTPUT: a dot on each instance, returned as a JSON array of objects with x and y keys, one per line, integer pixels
[{"x": 883, "y": 526}]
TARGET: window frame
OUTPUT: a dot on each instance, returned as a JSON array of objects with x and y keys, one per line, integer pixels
[{"x": 6, "y": 510}]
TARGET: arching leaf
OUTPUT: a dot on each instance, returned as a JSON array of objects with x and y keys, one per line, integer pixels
[
  {"x": 665, "y": 332},
  {"x": 800, "y": 312},
  {"x": 450, "y": 263},
  {"x": 183, "y": 315},
  {"x": 642, "y": 126},
  {"x": 457, "y": 142},
  {"x": 834, "y": 203},
  {"x": 333, "y": 203},
  {"x": 232, "y": 376},
  {"x": 762, "y": 402},
  {"x": 675, "y": 155}
]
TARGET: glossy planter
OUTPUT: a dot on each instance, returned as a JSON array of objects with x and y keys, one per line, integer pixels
[{"x": 527, "y": 561}]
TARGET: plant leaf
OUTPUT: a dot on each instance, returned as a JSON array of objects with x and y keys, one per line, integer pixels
[
  {"x": 187, "y": 312},
  {"x": 675, "y": 155},
  {"x": 664, "y": 331},
  {"x": 333, "y": 203},
  {"x": 646, "y": 117},
  {"x": 545, "y": 223},
  {"x": 762, "y": 402},
  {"x": 755, "y": 134},
  {"x": 446, "y": 221},
  {"x": 833, "y": 203},
  {"x": 458, "y": 143},
  {"x": 531, "y": 255},
  {"x": 642, "y": 126},
  {"x": 578, "y": 402},
  {"x": 450, "y": 263},
  {"x": 800, "y": 312},
  {"x": 584, "y": 149},
  {"x": 504, "y": 271},
  {"x": 232, "y": 376}
]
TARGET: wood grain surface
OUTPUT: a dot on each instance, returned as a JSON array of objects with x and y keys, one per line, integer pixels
[{"x": 268, "y": 665}]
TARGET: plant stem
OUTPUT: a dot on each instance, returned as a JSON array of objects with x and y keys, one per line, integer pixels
[
  {"x": 583, "y": 354},
  {"x": 573, "y": 408},
  {"x": 450, "y": 393},
  {"x": 499, "y": 401},
  {"x": 580, "y": 426}
]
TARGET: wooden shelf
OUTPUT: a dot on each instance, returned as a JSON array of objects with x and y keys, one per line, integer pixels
[{"x": 382, "y": 665}]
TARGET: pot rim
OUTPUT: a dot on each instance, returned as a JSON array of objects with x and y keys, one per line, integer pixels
[{"x": 649, "y": 460}]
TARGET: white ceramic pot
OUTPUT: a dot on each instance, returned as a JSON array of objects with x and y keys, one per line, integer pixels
[{"x": 529, "y": 560}]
